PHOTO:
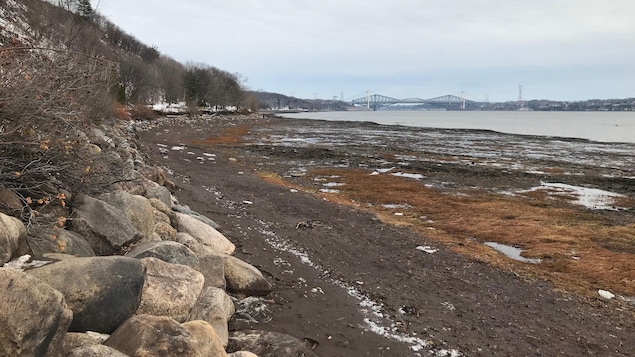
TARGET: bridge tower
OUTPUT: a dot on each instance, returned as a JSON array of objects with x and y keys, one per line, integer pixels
[{"x": 520, "y": 96}]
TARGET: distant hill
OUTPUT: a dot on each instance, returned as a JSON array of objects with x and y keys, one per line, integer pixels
[{"x": 281, "y": 102}]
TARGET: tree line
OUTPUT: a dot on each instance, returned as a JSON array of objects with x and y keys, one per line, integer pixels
[{"x": 145, "y": 75}]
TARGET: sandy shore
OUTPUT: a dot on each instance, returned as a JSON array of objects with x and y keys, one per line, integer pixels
[{"x": 373, "y": 236}]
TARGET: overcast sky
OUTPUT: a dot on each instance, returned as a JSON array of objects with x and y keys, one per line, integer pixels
[{"x": 557, "y": 49}]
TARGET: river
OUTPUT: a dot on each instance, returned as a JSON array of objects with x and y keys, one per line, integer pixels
[{"x": 596, "y": 126}]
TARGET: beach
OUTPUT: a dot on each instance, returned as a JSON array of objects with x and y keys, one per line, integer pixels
[{"x": 374, "y": 236}]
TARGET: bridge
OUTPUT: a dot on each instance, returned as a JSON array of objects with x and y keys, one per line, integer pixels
[{"x": 376, "y": 101}]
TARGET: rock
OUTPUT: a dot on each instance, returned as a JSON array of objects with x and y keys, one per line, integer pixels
[
  {"x": 171, "y": 252},
  {"x": 215, "y": 307},
  {"x": 190, "y": 242},
  {"x": 165, "y": 209},
  {"x": 157, "y": 336},
  {"x": 137, "y": 208},
  {"x": 208, "y": 343},
  {"x": 95, "y": 351},
  {"x": 242, "y": 354},
  {"x": 12, "y": 230},
  {"x": 268, "y": 344},
  {"x": 188, "y": 211},
  {"x": 213, "y": 269},
  {"x": 244, "y": 278},
  {"x": 105, "y": 228},
  {"x": 33, "y": 315},
  {"x": 170, "y": 289},
  {"x": 41, "y": 242},
  {"x": 9, "y": 200},
  {"x": 606, "y": 295},
  {"x": 73, "y": 340},
  {"x": 161, "y": 193},
  {"x": 212, "y": 241},
  {"x": 102, "y": 291},
  {"x": 165, "y": 231}
]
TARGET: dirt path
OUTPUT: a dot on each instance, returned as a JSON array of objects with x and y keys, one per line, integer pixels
[{"x": 354, "y": 286}]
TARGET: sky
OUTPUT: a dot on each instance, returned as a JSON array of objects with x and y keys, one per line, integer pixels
[{"x": 556, "y": 49}]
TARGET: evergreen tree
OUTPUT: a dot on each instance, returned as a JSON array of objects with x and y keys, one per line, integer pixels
[{"x": 84, "y": 9}]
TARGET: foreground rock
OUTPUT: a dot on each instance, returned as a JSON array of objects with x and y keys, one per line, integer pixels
[
  {"x": 215, "y": 307},
  {"x": 104, "y": 227},
  {"x": 268, "y": 344},
  {"x": 213, "y": 269},
  {"x": 33, "y": 316},
  {"x": 170, "y": 252},
  {"x": 103, "y": 292},
  {"x": 44, "y": 241},
  {"x": 244, "y": 278},
  {"x": 137, "y": 208},
  {"x": 95, "y": 351},
  {"x": 170, "y": 289},
  {"x": 211, "y": 240},
  {"x": 208, "y": 342},
  {"x": 11, "y": 231},
  {"x": 147, "y": 335}
]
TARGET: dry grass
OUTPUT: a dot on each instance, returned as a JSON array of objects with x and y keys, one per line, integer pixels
[
  {"x": 227, "y": 136},
  {"x": 581, "y": 251}
]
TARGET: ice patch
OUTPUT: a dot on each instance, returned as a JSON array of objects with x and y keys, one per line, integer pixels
[
  {"x": 329, "y": 190},
  {"x": 333, "y": 184},
  {"x": 22, "y": 262},
  {"x": 592, "y": 198},
  {"x": 408, "y": 175},
  {"x": 178, "y": 148}
]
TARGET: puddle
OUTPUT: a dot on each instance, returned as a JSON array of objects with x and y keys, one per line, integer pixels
[{"x": 511, "y": 252}]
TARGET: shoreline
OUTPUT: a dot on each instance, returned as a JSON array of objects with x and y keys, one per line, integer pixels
[{"x": 436, "y": 297}]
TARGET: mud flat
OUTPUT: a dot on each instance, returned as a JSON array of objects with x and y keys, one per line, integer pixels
[{"x": 374, "y": 236}]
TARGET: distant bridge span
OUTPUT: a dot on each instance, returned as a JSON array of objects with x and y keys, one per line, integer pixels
[{"x": 376, "y": 101}]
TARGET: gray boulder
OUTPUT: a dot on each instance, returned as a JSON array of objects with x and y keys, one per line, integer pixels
[
  {"x": 171, "y": 252},
  {"x": 212, "y": 241},
  {"x": 268, "y": 344},
  {"x": 170, "y": 289},
  {"x": 215, "y": 307},
  {"x": 105, "y": 228},
  {"x": 12, "y": 230},
  {"x": 163, "y": 213},
  {"x": 73, "y": 340},
  {"x": 213, "y": 269},
  {"x": 188, "y": 211},
  {"x": 95, "y": 351},
  {"x": 147, "y": 335},
  {"x": 34, "y": 316},
  {"x": 40, "y": 242},
  {"x": 137, "y": 208},
  {"x": 244, "y": 278},
  {"x": 161, "y": 193},
  {"x": 102, "y": 291}
]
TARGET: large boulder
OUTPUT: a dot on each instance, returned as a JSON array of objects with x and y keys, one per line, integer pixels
[
  {"x": 157, "y": 336},
  {"x": 212, "y": 241},
  {"x": 171, "y": 252},
  {"x": 213, "y": 269},
  {"x": 164, "y": 230},
  {"x": 161, "y": 209},
  {"x": 268, "y": 344},
  {"x": 103, "y": 292},
  {"x": 33, "y": 316},
  {"x": 12, "y": 230},
  {"x": 95, "y": 351},
  {"x": 208, "y": 343},
  {"x": 73, "y": 340},
  {"x": 40, "y": 242},
  {"x": 104, "y": 227},
  {"x": 188, "y": 211},
  {"x": 244, "y": 278},
  {"x": 170, "y": 289},
  {"x": 215, "y": 307},
  {"x": 161, "y": 193},
  {"x": 137, "y": 208}
]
